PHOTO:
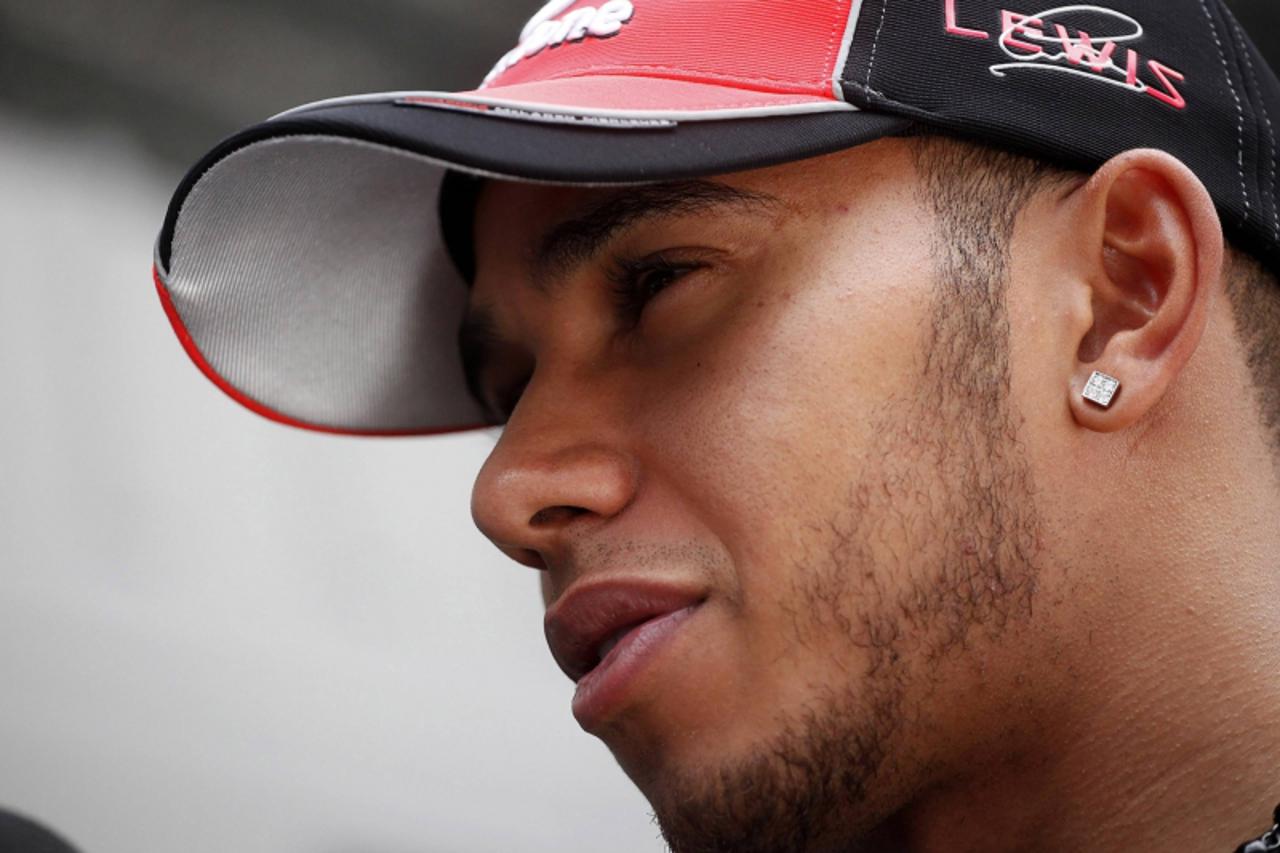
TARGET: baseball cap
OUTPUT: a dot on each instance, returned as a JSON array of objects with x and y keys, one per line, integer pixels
[{"x": 315, "y": 266}]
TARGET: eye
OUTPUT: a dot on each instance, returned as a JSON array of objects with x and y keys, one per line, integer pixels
[
  {"x": 637, "y": 282},
  {"x": 634, "y": 283}
]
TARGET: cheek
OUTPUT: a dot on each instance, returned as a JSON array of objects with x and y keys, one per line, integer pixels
[
  {"x": 762, "y": 430},
  {"x": 768, "y": 421}
]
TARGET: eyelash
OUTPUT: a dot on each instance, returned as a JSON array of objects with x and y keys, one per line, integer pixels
[
  {"x": 636, "y": 282},
  {"x": 633, "y": 286}
]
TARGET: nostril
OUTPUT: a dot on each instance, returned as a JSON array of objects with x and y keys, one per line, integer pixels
[{"x": 555, "y": 515}]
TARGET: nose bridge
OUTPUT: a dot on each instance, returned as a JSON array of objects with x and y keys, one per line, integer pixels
[{"x": 561, "y": 459}]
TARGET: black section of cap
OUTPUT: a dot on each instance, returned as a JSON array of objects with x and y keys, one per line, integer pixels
[
  {"x": 905, "y": 61},
  {"x": 1261, "y": 91},
  {"x": 559, "y": 153}
]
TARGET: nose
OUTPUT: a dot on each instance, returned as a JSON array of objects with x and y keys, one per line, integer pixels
[{"x": 544, "y": 481}]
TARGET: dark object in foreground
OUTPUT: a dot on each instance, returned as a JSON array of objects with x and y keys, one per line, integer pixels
[
  {"x": 22, "y": 835},
  {"x": 1268, "y": 843}
]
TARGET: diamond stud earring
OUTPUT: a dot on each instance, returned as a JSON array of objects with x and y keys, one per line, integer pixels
[{"x": 1101, "y": 389}]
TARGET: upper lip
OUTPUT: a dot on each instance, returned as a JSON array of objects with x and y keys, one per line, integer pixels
[{"x": 589, "y": 613}]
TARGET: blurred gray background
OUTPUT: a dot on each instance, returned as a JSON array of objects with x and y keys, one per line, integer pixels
[{"x": 217, "y": 634}]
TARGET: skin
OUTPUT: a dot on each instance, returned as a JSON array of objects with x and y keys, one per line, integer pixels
[{"x": 951, "y": 605}]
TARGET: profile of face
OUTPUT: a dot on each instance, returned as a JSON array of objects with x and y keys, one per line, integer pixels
[{"x": 768, "y": 390}]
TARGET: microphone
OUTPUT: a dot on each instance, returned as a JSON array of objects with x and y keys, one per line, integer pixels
[
  {"x": 20, "y": 834},
  {"x": 1268, "y": 843}
]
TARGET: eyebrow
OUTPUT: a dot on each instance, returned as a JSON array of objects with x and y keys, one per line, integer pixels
[{"x": 577, "y": 240}]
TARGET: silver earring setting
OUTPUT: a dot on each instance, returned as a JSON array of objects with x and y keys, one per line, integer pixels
[{"x": 1101, "y": 389}]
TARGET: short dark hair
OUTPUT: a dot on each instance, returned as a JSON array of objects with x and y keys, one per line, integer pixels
[
  {"x": 1254, "y": 293},
  {"x": 977, "y": 191}
]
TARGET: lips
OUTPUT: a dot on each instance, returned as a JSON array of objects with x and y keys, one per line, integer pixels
[{"x": 590, "y": 619}]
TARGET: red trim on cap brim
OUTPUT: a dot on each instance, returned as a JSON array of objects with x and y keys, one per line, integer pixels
[{"x": 193, "y": 351}]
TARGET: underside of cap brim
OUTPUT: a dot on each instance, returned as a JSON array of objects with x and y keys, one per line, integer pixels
[{"x": 302, "y": 263}]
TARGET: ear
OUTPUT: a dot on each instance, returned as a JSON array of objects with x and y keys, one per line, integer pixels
[{"x": 1150, "y": 247}]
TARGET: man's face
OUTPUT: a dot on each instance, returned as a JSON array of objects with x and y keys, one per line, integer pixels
[{"x": 755, "y": 389}]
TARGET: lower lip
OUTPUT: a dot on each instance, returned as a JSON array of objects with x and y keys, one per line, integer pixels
[{"x": 603, "y": 688}]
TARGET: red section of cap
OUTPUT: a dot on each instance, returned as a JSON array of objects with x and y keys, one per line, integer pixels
[
  {"x": 629, "y": 94},
  {"x": 755, "y": 44},
  {"x": 189, "y": 344}
]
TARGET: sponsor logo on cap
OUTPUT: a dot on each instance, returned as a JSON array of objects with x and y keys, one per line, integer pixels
[
  {"x": 552, "y": 28},
  {"x": 1081, "y": 41}
]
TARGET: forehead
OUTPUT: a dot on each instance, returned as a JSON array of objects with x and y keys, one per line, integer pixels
[
  {"x": 502, "y": 204},
  {"x": 510, "y": 217}
]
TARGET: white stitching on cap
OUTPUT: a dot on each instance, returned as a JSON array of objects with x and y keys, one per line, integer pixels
[
  {"x": 881, "y": 95},
  {"x": 1271, "y": 133},
  {"x": 875, "y": 45},
  {"x": 846, "y": 45},
  {"x": 1222, "y": 54}
]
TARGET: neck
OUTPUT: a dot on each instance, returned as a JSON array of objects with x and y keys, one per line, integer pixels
[
  {"x": 1184, "y": 750},
  {"x": 1159, "y": 718}
]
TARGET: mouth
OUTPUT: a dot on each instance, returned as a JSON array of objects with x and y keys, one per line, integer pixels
[
  {"x": 626, "y": 654},
  {"x": 591, "y": 620}
]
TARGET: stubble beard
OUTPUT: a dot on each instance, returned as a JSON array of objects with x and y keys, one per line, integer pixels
[{"x": 948, "y": 480}]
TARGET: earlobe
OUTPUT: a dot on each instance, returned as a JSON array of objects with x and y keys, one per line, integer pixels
[{"x": 1151, "y": 248}]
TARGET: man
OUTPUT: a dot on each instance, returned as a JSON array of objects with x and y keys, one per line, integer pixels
[{"x": 903, "y": 478}]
